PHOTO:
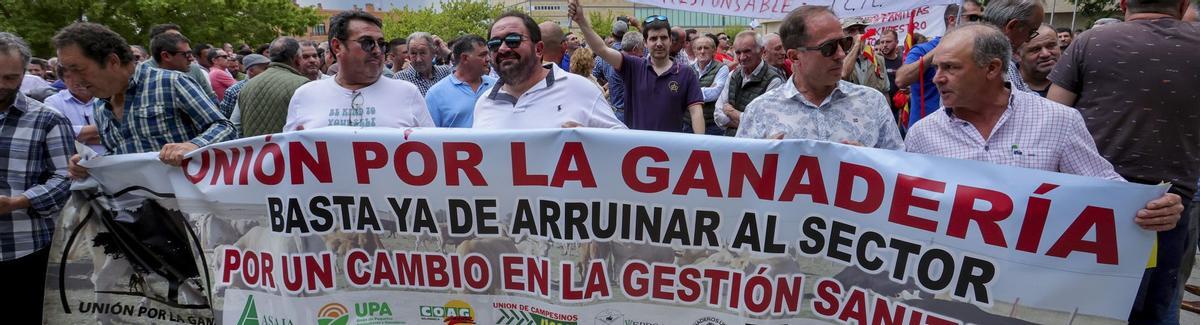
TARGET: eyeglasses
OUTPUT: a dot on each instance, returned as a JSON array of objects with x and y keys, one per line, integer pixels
[
  {"x": 187, "y": 54},
  {"x": 369, "y": 45},
  {"x": 655, "y": 18},
  {"x": 973, "y": 17},
  {"x": 1034, "y": 33},
  {"x": 827, "y": 49},
  {"x": 512, "y": 40}
]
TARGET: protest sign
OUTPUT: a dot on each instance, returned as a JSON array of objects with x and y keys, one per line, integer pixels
[
  {"x": 777, "y": 9},
  {"x": 384, "y": 226}
]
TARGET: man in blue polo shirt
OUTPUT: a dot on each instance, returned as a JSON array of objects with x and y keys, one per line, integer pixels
[
  {"x": 451, "y": 101},
  {"x": 657, "y": 90},
  {"x": 918, "y": 71}
]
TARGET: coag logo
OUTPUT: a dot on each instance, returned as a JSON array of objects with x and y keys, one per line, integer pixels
[
  {"x": 453, "y": 312},
  {"x": 333, "y": 314}
]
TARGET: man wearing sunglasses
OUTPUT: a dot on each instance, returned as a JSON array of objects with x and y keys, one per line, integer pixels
[
  {"x": 218, "y": 72},
  {"x": 172, "y": 52},
  {"x": 1019, "y": 20},
  {"x": 358, "y": 95},
  {"x": 531, "y": 94},
  {"x": 917, "y": 71},
  {"x": 816, "y": 103},
  {"x": 658, "y": 90},
  {"x": 198, "y": 73}
]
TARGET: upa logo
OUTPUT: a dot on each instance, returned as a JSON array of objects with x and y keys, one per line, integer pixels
[
  {"x": 374, "y": 313},
  {"x": 333, "y": 314},
  {"x": 453, "y": 312}
]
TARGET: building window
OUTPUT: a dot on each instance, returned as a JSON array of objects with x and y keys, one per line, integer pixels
[
  {"x": 319, "y": 29},
  {"x": 547, "y": 8}
]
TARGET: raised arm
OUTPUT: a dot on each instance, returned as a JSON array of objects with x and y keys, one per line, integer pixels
[{"x": 594, "y": 41}]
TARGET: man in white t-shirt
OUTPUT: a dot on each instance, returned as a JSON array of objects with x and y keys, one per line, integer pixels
[
  {"x": 357, "y": 96},
  {"x": 530, "y": 95}
]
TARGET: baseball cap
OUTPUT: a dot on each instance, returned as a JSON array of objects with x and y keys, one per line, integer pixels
[{"x": 253, "y": 60}]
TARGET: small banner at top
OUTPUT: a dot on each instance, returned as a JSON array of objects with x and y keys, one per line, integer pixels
[
  {"x": 777, "y": 9},
  {"x": 583, "y": 226}
]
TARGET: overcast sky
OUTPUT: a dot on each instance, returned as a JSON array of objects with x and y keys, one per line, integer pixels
[{"x": 379, "y": 4}]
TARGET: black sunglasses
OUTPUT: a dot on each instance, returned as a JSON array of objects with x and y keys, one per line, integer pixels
[
  {"x": 369, "y": 45},
  {"x": 513, "y": 40},
  {"x": 655, "y": 18},
  {"x": 827, "y": 49},
  {"x": 974, "y": 17}
]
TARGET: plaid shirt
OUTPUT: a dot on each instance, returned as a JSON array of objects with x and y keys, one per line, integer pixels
[
  {"x": 231, "y": 98},
  {"x": 35, "y": 143},
  {"x": 1033, "y": 132},
  {"x": 411, "y": 75},
  {"x": 161, "y": 107}
]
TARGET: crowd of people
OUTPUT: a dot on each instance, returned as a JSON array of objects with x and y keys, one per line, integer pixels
[{"x": 1117, "y": 101}]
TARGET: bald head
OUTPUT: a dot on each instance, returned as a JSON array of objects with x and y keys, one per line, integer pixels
[{"x": 552, "y": 37}]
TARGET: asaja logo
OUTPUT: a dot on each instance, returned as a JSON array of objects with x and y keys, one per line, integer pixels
[
  {"x": 250, "y": 316},
  {"x": 453, "y": 312},
  {"x": 333, "y": 314}
]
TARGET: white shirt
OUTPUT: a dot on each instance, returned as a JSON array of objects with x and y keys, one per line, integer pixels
[
  {"x": 719, "y": 116},
  {"x": 561, "y": 97},
  {"x": 32, "y": 82},
  {"x": 78, "y": 112},
  {"x": 386, "y": 103}
]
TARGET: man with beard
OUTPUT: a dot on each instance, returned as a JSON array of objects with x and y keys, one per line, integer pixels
[
  {"x": 531, "y": 95},
  {"x": 357, "y": 95},
  {"x": 816, "y": 104},
  {"x": 263, "y": 102},
  {"x": 891, "y": 62},
  {"x": 1038, "y": 57},
  {"x": 658, "y": 90},
  {"x": 1064, "y": 37},
  {"x": 36, "y": 145},
  {"x": 398, "y": 52}
]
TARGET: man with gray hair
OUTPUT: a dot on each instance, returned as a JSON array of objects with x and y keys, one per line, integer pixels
[
  {"x": 982, "y": 119},
  {"x": 1019, "y": 20},
  {"x": 36, "y": 146},
  {"x": 775, "y": 55},
  {"x": 1135, "y": 84},
  {"x": 632, "y": 44},
  {"x": 421, "y": 71},
  {"x": 263, "y": 102},
  {"x": 752, "y": 78}
]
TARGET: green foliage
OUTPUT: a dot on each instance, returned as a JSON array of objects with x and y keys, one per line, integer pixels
[
  {"x": 203, "y": 21},
  {"x": 602, "y": 24},
  {"x": 456, "y": 18},
  {"x": 1091, "y": 10},
  {"x": 733, "y": 31}
]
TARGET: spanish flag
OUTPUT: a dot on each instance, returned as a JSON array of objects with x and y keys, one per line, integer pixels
[{"x": 908, "y": 45}]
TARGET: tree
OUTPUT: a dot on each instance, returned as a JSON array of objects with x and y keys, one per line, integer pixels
[
  {"x": 602, "y": 24},
  {"x": 1091, "y": 10},
  {"x": 456, "y": 18},
  {"x": 203, "y": 21}
]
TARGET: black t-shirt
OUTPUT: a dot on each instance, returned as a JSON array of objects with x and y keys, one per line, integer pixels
[
  {"x": 892, "y": 66},
  {"x": 1137, "y": 86}
]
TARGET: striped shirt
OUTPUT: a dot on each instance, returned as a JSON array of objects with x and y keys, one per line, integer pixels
[
  {"x": 35, "y": 143},
  {"x": 231, "y": 98},
  {"x": 161, "y": 107},
  {"x": 1033, "y": 132},
  {"x": 411, "y": 75}
]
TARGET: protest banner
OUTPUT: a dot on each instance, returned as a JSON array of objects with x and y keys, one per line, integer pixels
[
  {"x": 928, "y": 21},
  {"x": 383, "y": 226},
  {"x": 777, "y": 9}
]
